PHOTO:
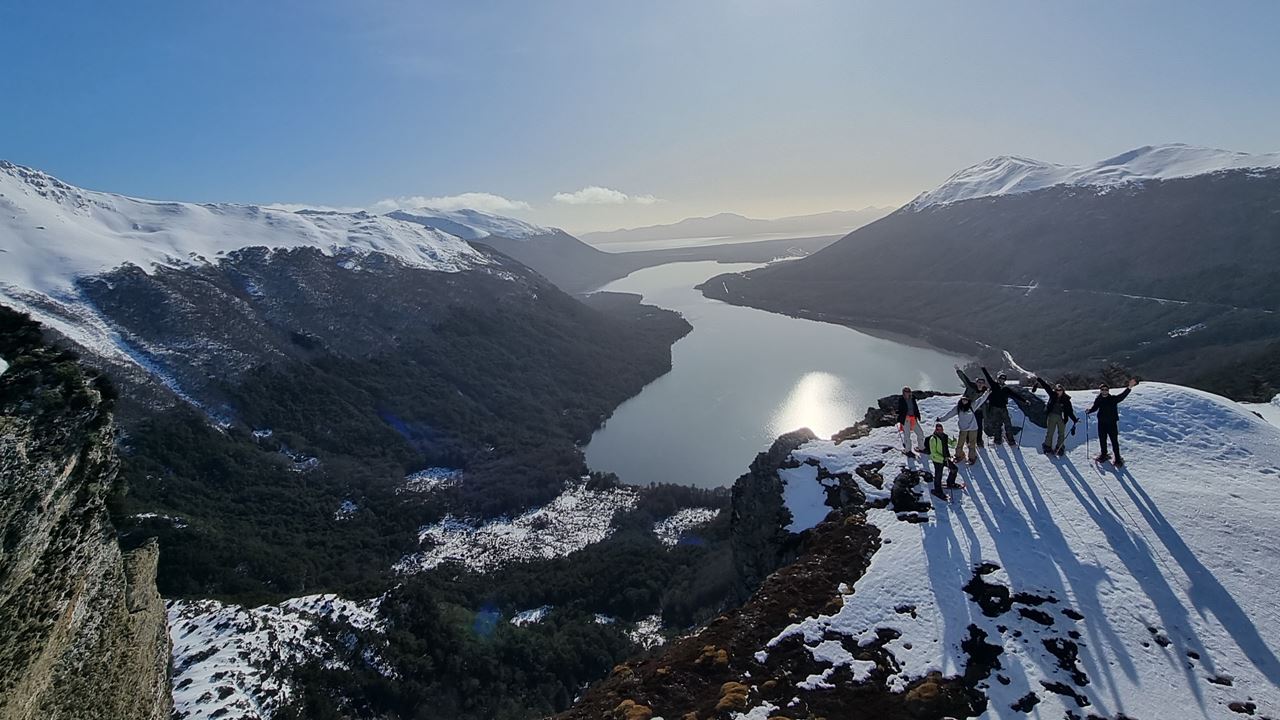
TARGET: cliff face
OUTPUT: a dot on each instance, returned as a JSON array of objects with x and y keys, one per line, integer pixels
[{"x": 84, "y": 627}]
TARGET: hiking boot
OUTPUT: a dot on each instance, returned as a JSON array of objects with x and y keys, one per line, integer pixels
[
  {"x": 1119, "y": 461},
  {"x": 1102, "y": 458},
  {"x": 973, "y": 460},
  {"x": 1012, "y": 440},
  {"x": 1061, "y": 451},
  {"x": 1046, "y": 449},
  {"x": 982, "y": 443},
  {"x": 939, "y": 494},
  {"x": 998, "y": 440}
]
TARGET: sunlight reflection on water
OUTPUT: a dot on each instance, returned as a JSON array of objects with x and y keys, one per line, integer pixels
[{"x": 819, "y": 401}]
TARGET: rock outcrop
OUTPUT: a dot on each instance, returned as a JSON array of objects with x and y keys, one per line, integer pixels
[{"x": 84, "y": 626}]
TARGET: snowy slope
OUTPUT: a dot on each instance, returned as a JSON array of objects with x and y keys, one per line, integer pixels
[
  {"x": 233, "y": 662},
  {"x": 1008, "y": 175},
  {"x": 52, "y": 233},
  {"x": 1269, "y": 411},
  {"x": 1159, "y": 574},
  {"x": 471, "y": 224},
  {"x": 575, "y": 519}
]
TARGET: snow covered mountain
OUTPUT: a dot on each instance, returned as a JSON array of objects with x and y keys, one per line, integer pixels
[
  {"x": 1008, "y": 174},
  {"x": 52, "y": 233},
  {"x": 1048, "y": 588},
  {"x": 1163, "y": 260},
  {"x": 472, "y": 224}
]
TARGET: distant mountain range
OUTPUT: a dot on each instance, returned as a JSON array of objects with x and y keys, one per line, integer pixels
[
  {"x": 730, "y": 226},
  {"x": 1164, "y": 259}
]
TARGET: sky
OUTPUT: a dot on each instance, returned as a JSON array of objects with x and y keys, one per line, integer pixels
[{"x": 596, "y": 114}]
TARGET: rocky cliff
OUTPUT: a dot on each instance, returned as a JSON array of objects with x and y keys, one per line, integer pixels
[{"x": 84, "y": 627}]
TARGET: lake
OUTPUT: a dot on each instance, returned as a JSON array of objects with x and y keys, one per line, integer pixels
[{"x": 741, "y": 378}]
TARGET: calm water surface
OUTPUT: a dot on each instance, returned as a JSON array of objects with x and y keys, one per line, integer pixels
[{"x": 743, "y": 377}]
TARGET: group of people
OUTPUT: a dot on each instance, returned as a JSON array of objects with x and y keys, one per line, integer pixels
[{"x": 983, "y": 410}]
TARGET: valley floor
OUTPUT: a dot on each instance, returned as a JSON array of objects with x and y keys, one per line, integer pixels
[{"x": 1143, "y": 592}]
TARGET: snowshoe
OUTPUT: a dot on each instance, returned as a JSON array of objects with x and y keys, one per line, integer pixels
[
  {"x": 956, "y": 486},
  {"x": 1046, "y": 449},
  {"x": 1012, "y": 440},
  {"x": 1104, "y": 457},
  {"x": 973, "y": 460},
  {"x": 939, "y": 495},
  {"x": 1119, "y": 462},
  {"x": 1061, "y": 451},
  {"x": 998, "y": 441}
]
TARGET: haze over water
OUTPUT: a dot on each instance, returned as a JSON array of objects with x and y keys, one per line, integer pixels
[{"x": 741, "y": 378}]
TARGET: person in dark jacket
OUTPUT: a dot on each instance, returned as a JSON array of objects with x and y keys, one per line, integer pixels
[
  {"x": 1109, "y": 419},
  {"x": 1057, "y": 411},
  {"x": 998, "y": 409},
  {"x": 973, "y": 389},
  {"x": 909, "y": 421}
]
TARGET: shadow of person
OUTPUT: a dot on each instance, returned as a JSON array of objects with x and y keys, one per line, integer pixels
[
  {"x": 1140, "y": 561},
  {"x": 1206, "y": 592}
]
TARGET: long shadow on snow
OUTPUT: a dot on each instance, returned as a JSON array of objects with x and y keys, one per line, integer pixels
[
  {"x": 1140, "y": 561},
  {"x": 1085, "y": 580},
  {"x": 1206, "y": 592}
]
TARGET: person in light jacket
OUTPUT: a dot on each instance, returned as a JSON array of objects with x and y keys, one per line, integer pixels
[
  {"x": 967, "y": 417},
  {"x": 972, "y": 389}
]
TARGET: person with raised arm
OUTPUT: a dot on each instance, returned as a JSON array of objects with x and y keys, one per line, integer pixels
[
  {"x": 967, "y": 413},
  {"x": 998, "y": 408},
  {"x": 1057, "y": 411},
  {"x": 1106, "y": 405},
  {"x": 973, "y": 389},
  {"x": 909, "y": 421}
]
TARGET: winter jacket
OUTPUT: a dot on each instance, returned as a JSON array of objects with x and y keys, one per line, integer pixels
[
  {"x": 1105, "y": 406},
  {"x": 999, "y": 392},
  {"x": 970, "y": 387},
  {"x": 939, "y": 447},
  {"x": 967, "y": 419},
  {"x": 1058, "y": 405},
  {"x": 907, "y": 408}
]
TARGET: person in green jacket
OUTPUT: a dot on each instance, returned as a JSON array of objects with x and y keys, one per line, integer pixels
[{"x": 939, "y": 447}]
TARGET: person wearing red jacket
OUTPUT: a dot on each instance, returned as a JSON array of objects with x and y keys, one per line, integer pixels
[{"x": 909, "y": 421}]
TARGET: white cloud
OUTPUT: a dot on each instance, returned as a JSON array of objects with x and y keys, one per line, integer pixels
[
  {"x": 487, "y": 202},
  {"x": 596, "y": 195}
]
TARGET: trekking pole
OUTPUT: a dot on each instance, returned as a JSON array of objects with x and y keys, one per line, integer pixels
[{"x": 1088, "y": 443}]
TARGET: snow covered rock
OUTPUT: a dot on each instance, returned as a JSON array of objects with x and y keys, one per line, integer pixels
[{"x": 1008, "y": 175}]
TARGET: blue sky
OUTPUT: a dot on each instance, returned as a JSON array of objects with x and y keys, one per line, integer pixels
[{"x": 682, "y": 108}]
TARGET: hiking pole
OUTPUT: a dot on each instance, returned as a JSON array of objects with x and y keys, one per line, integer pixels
[{"x": 1088, "y": 443}]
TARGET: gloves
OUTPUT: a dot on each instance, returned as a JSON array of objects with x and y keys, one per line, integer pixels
[
  {"x": 1073, "y": 429},
  {"x": 899, "y": 427}
]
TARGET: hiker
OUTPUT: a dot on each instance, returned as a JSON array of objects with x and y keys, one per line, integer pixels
[
  {"x": 939, "y": 452},
  {"x": 972, "y": 389},
  {"x": 967, "y": 413},
  {"x": 998, "y": 409},
  {"x": 1109, "y": 419},
  {"x": 1057, "y": 411},
  {"x": 908, "y": 421}
]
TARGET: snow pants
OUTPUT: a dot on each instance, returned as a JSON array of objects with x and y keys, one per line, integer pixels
[
  {"x": 1055, "y": 425},
  {"x": 970, "y": 438},
  {"x": 912, "y": 423},
  {"x": 1107, "y": 429},
  {"x": 979, "y": 414},
  {"x": 937, "y": 475},
  {"x": 999, "y": 425}
]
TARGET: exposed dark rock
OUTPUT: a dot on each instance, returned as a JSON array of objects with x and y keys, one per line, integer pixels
[
  {"x": 1068, "y": 655},
  {"x": 1037, "y": 616},
  {"x": 994, "y": 599},
  {"x": 1026, "y": 702},
  {"x": 1067, "y": 691}
]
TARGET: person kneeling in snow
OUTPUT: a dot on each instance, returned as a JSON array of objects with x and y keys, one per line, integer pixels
[
  {"x": 939, "y": 452},
  {"x": 1109, "y": 419},
  {"x": 968, "y": 415},
  {"x": 1057, "y": 412},
  {"x": 909, "y": 420}
]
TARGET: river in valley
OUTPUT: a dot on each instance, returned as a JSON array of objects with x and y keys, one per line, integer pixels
[{"x": 741, "y": 378}]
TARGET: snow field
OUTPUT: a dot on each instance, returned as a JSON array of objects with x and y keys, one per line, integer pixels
[
  {"x": 232, "y": 662},
  {"x": 1153, "y": 570},
  {"x": 575, "y": 519},
  {"x": 670, "y": 530}
]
